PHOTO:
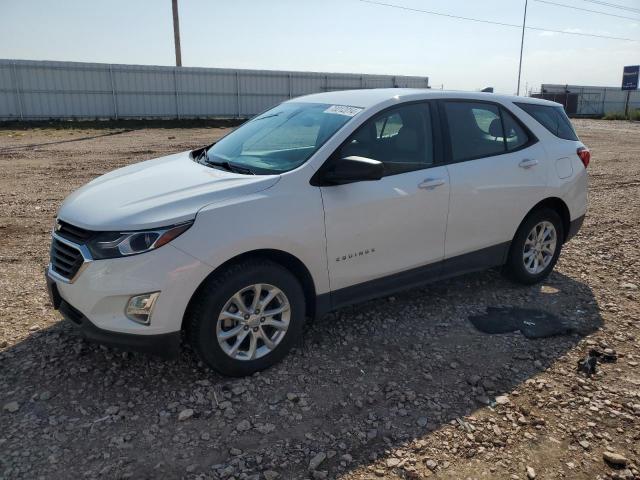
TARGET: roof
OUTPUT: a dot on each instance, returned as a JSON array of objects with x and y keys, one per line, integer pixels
[{"x": 367, "y": 98}]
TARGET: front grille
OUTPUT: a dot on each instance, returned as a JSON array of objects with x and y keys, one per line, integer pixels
[
  {"x": 65, "y": 259},
  {"x": 73, "y": 233}
]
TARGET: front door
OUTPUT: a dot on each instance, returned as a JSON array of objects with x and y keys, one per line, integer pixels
[{"x": 376, "y": 229}]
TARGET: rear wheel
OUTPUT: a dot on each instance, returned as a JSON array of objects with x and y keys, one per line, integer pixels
[
  {"x": 536, "y": 247},
  {"x": 247, "y": 318}
]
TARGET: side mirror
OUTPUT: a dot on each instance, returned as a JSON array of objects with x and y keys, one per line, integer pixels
[{"x": 340, "y": 171}]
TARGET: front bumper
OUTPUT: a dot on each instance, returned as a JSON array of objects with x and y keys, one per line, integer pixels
[
  {"x": 165, "y": 345},
  {"x": 96, "y": 299}
]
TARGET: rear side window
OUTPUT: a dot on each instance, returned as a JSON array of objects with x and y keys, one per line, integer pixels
[
  {"x": 516, "y": 137},
  {"x": 552, "y": 118},
  {"x": 482, "y": 129},
  {"x": 475, "y": 130}
]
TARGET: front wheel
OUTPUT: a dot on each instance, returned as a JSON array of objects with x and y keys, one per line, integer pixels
[
  {"x": 536, "y": 247},
  {"x": 247, "y": 318}
]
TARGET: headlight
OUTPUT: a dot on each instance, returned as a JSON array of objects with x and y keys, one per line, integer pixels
[{"x": 122, "y": 244}]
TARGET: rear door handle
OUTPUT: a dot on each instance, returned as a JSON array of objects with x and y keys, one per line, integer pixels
[
  {"x": 528, "y": 163},
  {"x": 431, "y": 183}
]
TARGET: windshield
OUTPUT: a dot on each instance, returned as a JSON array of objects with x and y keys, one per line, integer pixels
[{"x": 280, "y": 139}]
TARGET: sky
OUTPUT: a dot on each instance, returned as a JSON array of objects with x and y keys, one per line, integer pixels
[{"x": 336, "y": 36}]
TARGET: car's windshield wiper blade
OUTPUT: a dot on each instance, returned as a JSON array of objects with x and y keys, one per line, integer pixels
[
  {"x": 267, "y": 116},
  {"x": 202, "y": 156},
  {"x": 230, "y": 167}
]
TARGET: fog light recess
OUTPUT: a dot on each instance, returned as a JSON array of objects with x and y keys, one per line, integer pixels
[{"x": 140, "y": 307}]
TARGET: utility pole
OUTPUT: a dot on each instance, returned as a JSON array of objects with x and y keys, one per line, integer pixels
[
  {"x": 176, "y": 33},
  {"x": 524, "y": 23}
]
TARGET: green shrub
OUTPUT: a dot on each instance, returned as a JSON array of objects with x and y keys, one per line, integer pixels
[
  {"x": 615, "y": 116},
  {"x": 633, "y": 115}
]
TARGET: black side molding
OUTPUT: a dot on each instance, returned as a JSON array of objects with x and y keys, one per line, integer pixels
[{"x": 470, "y": 262}]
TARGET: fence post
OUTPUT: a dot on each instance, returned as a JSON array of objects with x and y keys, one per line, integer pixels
[
  {"x": 113, "y": 92},
  {"x": 289, "y": 76},
  {"x": 580, "y": 102},
  {"x": 626, "y": 104},
  {"x": 16, "y": 85},
  {"x": 175, "y": 85},
  {"x": 604, "y": 95},
  {"x": 361, "y": 81},
  {"x": 238, "y": 93}
]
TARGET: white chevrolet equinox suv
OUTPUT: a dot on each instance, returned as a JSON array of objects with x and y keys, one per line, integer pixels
[{"x": 322, "y": 201}]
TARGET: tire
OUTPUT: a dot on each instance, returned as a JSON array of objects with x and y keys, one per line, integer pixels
[
  {"x": 233, "y": 291},
  {"x": 519, "y": 267}
]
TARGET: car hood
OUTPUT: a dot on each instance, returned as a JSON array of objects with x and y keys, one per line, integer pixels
[{"x": 155, "y": 193}]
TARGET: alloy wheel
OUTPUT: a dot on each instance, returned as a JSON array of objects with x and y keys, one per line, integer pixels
[
  {"x": 539, "y": 247},
  {"x": 253, "y": 322}
]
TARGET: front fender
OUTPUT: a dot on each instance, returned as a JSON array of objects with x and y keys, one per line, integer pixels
[{"x": 281, "y": 218}]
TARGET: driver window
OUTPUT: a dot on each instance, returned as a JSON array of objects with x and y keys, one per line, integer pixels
[{"x": 400, "y": 138}]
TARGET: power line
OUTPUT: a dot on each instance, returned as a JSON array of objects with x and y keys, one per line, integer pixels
[
  {"x": 614, "y": 5},
  {"x": 586, "y": 10},
  {"x": 440, "y": 14},
  {"x": 492, "y": 22}
]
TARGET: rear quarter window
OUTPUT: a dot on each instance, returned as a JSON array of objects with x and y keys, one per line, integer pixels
[{"x": 552, "y": 118}]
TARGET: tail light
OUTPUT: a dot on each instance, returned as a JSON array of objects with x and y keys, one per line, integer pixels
[{"x": 585, "y": 156}]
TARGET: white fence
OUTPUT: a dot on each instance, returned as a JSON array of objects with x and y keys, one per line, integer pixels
[
  {"x": 580, "y": 100},
  {"x": 40, "y": 90}
]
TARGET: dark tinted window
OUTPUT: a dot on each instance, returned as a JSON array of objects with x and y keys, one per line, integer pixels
[
  {"x": 475, "y": 130},
  {"x": 515, "y": 135},
  {"x": 552, "y": 118},
  {"x": 400, "y": 138}
]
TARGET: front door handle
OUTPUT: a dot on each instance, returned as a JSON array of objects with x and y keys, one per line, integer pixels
[
  {"x": 528, "y": 163},
  {"x": 431, "y": 183}
]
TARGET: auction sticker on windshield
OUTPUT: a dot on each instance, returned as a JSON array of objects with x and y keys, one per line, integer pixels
[{"x": 343, "y": 110}]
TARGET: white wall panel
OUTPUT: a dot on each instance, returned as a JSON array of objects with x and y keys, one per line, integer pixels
[
  {"x": 596, "y": 100},
  {"x": 35, "y": 90}
]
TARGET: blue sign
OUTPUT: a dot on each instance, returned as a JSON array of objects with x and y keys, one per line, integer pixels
[{"x": 630, "y": 77}]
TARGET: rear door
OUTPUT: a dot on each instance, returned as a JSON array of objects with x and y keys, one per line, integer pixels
[{"x": 496, "y": 178}]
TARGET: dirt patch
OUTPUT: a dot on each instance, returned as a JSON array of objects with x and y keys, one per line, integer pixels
[{"x": 401, "y": 387}]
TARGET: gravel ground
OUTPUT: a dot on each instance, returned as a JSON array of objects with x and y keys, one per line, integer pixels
[{"x": 401, "y": 387}]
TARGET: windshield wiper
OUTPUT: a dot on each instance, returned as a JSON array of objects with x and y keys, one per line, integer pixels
[
  {"x": 202, "y": 156},
  {"x": 222, "y": 164},
  {"x": 230, "y": 167},
  {"x": 267, "y": 116}
]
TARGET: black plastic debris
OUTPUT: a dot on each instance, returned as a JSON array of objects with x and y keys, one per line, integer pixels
[
  {"x": 589, "y": 364},
  {"x": 530, "y": 322}
]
